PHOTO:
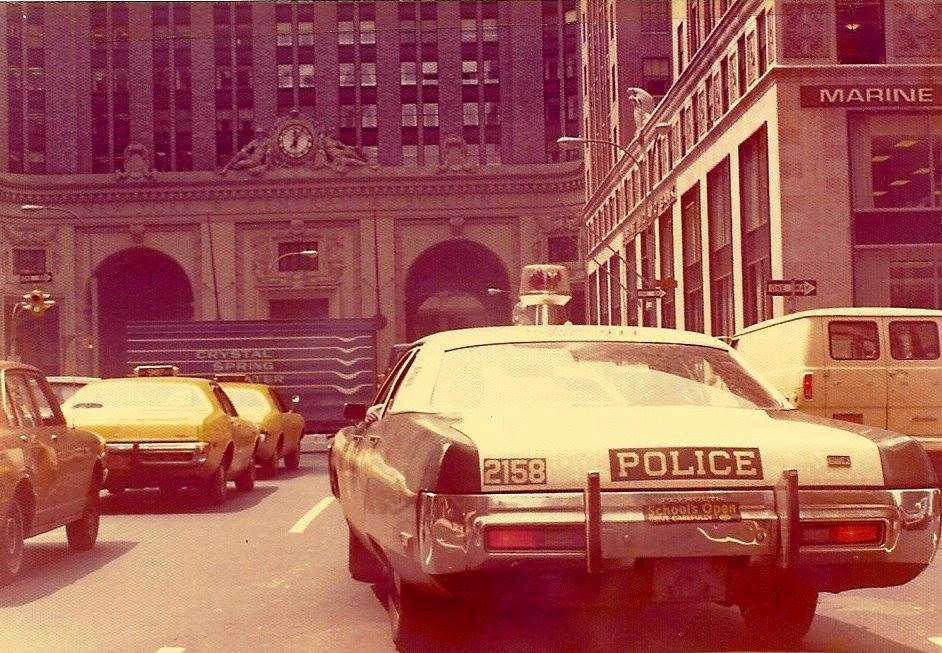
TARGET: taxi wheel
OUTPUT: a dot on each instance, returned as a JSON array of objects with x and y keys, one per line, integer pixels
[
  {"x": 779, "y": 616},
  {"x": 246, "y": 480},
  {"x": 11, "y": 543},
  {"x": 293, "y": 459},
  {"x": 214, "y": 489},
  {"x": 83, "y": 532},
  {"x": 409, "y": 611}
]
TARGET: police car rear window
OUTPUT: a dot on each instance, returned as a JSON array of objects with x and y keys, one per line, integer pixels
[
  {"x": 596, "y": 374},
  {"x": 249, "y": 402}
]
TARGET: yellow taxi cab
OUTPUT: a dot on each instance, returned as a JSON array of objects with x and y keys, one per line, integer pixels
[
  {"x": 50, "y": 475},
  {"x": 280, "y": 427},
  {"x": 168, "y": 431}
]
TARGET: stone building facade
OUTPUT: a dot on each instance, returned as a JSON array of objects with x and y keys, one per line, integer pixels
[
  {"x": 186, "y": 154},
  {"x": 801, "y": 139}
]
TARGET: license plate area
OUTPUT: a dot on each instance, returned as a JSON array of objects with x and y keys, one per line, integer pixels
[
  {"x": 692, "y": 510},
  {"x": 689, "y": 580}
]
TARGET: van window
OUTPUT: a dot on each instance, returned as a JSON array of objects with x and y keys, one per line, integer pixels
[
  {"x": 913, "y": 340},
  {"x": 854, "y": 340}
]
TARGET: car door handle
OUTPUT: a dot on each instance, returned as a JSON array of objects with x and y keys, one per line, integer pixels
[
  {"x": 54, "y": 436},
  {"x": 374, "y": 438},
  {"x": 24, "y": 438}
]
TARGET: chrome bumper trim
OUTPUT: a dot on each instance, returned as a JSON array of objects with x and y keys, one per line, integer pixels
[
  {"x": 139, "y": 452},
  {"x": 451, "y": 527}
]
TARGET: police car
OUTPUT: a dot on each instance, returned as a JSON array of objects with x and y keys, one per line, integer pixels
[{"x": 608, "y": 465}]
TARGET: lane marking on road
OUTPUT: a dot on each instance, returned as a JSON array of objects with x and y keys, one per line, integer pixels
[
  {"x": 936, "y": 640},
  {"x": 171, "y": 649},
  {"x": 311, "y": 515}
]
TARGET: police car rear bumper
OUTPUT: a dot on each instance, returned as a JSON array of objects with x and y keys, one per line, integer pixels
[
  {"x": 619, "y": 532},
  {"x": 144, "y": 464}
]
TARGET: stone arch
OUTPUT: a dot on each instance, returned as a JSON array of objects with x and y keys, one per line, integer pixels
[
  {"x": 135, "y": 284},
  {"x": 446, "y": 288}
]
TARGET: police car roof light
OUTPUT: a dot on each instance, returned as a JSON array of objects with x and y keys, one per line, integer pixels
[{"x": 156, "y": 370}]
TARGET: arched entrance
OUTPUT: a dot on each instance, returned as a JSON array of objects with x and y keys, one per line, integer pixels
[
  {"x": 134, "y": 285},
  {"x": 446, "y": 288}
]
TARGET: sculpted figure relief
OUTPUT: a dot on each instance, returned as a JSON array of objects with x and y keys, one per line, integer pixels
[{"x": 254, "y": 157}]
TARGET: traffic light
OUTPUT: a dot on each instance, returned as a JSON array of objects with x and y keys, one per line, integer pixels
[{"x": 37, "y": 302}]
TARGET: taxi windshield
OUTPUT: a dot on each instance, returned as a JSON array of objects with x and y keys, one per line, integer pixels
[
  {"x": 250, "y": 403},
  {"x": 139, "y": 394},
  {"x": 596, "y": 374}
]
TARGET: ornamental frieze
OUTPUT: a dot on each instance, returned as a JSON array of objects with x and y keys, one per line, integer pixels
[
  {"x": 804, "y": 27},
  {"x": 918, "y": 27},
  {"x": 752, "y": 60},
  {"x": 732, "y": 68},
  {"x": 330, "y": 259}
]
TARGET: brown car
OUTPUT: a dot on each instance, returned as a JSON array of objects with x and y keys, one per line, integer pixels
[{"x": 50, "y": 475}]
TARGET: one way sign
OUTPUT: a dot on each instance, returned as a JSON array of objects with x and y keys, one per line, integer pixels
[{"x": 792, "y": 287}]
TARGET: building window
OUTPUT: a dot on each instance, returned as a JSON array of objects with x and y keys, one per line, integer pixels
[
  {"x": 347, "y": 74},
  {"x": 368, "y": 115},
  {"x": 656, "y": 75},
  {"x": 29, "y": 260},
  {"x": 719, "y": 212},
  {"x": 655, "y": 16},
  {"x": 665, "y": 228},
  {"x": 860, "y": 37},
  {"x": 469, "y": 72},
  {"x": 615, "y": 285},
  {"x": 648, "y": 275},
  {"x": 290, "y": 257},
  {"x": 410, "y": 155},
  {"x": 471, "y": 115},
  {"x": 430, "y": 73},
  {"x": 593, "y": 298},
  {"x": 407, "y": 73},
  {"x": 756, "y": 233},
  {"x": 604, "y": 293},
  {"x": 631, "y": 278},
  {"x": 562, "y": 249},
  {"x": 368, "y": 73},
  {"x": 409, "y": 115},
  {"x": 680, "y": 49},
  {"x": 430, "y": 114},
  {"x": 763, "y": 43},
  {"x": 693, "y": 259},
  {"x": 299, "y": 309}
]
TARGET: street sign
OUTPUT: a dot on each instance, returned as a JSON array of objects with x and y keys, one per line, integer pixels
[
  {"x": 792, "y": 287},
  {"x": 36, "y": 277},
  {"x": 650, "y": 293}
]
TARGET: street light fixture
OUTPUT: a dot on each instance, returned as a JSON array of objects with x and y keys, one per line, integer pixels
[
  {"x": 309, "y": 253},
  {"x": 497, "y": 291},
  {"x": 29, "y": 208},
  {"x": 570, "y": 141}
]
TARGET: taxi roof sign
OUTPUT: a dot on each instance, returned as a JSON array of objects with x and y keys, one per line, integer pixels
[
  {"x": 156, "y": 370},
  {"x": 544, "y": 283}
]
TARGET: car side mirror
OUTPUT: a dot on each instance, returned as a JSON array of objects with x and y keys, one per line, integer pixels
[
  {"x": 296, "y": 399},
  {"x": 354, "y": 412}
]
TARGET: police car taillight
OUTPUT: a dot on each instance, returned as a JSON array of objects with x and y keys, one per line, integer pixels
[
  {"x": 844, "y": 533},
  {"x": 156, "y": 370},
  {"x": 535, "y": 538}
]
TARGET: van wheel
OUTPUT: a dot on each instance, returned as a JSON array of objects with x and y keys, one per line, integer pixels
[
  {"x": 83, "y": 532},
  {"x": 779, "y": 616},
  {"x": 11, "y": 543},
  {"x": 246, "y": 480},
  {"x": 214, "y": 488}
]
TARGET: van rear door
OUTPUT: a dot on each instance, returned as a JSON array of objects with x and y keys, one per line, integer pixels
[
  {"x": 914, "y": 370},
  {"x": 856, "y": 376}
]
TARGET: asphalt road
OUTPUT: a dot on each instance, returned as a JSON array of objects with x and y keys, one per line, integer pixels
[{"x": 267, "y": 572}]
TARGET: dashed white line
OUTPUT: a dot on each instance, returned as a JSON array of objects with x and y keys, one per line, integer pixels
[
  {"x": 936, "y": 640},
  {"x": 311, "y": 515},
  {"x": 171, "y": 649}
]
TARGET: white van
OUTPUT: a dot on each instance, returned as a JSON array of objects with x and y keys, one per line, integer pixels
[{"x": 874, "y": 366}]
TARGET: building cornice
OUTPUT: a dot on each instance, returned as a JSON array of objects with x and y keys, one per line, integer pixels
[{"x": 561, "y": 178}]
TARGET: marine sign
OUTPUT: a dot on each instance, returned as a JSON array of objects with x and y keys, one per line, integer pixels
[{"x": 871, "y": 95}]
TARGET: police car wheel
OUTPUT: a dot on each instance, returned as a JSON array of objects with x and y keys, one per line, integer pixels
[
  {"x": 214, "y": 490},
  {"x": 409, "y": 610},
  {"x": 246, "y": 480},
  {"x": 11, "y": 543},
  {"x": 780, "y": 615},
  {"x": 362, "y": 564},
  {"x": 83, "y": 532}
]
